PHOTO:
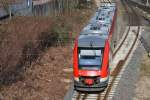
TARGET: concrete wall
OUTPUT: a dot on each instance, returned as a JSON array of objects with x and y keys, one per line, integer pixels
[
  {"x": 3, "y": 12},
  {"x": 22, "y": 9}
]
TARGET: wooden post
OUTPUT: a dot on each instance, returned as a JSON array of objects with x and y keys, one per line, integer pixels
[{"x": 10, "y": 15}]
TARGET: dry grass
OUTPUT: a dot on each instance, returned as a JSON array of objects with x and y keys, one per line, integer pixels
[
  {"x": 43, "y": 80},
  {"x": 19, "y": 44},
  {"x": 23, "y": 38},
  {"x": 28, "y": 73}
]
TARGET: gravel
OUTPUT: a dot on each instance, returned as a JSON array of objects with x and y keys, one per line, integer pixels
[
  {"x": 128, "y": 83},
  {"x": 125, "y": 89}
]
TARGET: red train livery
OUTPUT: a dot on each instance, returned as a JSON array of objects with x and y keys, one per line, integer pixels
[{"x": 91, "y": 50}]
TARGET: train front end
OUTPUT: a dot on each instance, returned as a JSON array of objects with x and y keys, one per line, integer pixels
[{"x": 91, "y": 63}]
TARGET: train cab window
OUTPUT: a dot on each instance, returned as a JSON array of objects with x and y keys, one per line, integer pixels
[
  {"x": 95, "y": 28},
  {"x": 100, "y": 18},
  {"x": 105, "y": 25},
  {"x": 90, "y": 59},
  {"x": 105, "y": 8}
]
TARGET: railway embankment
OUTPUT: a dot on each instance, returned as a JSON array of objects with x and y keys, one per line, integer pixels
[
  {"x": 142, "y": 90},
  {"x": 126, "y": 86},
  {"x": 34, "y": 65},
  {"x": 135, "y": 80}
]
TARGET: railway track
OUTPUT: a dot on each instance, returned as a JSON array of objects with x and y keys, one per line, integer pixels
[{"x": 129, "y": 41}]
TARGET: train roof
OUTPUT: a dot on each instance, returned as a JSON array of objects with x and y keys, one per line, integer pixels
[
  {"x": 98, "y": 28},
  {"x": 102, "y": 19},
  {"x": 101, "y": 29},
  {"x": 91, "y": 40},
  {"x": 108, "y": 4}
]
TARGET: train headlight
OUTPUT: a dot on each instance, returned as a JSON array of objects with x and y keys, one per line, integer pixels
[
  {"x": 104, "y": 79},
  {"x": 76, "y": 79},
  {"x": 149, "y": 54}
]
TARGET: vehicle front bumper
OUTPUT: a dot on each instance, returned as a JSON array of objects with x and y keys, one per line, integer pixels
[{"x": 90, "y": 88}]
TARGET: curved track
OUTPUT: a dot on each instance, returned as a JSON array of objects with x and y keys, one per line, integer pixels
[{"x": 116, "y": 73}]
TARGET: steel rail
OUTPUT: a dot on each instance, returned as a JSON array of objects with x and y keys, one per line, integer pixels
[{"x": 122, "y": 62}]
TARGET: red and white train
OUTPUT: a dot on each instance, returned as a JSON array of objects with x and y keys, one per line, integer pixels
[{"x": 91, "y": 50}]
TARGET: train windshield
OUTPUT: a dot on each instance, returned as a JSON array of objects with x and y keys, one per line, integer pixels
[{"x": 90, "y": 59}]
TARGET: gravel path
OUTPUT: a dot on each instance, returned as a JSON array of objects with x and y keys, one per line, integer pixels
[
  {"x": 127, "y": 85},
  {"x": 125, "y": 89},
  {"x": 143, "y": 92},
  {"x": 146, "y": 37}
]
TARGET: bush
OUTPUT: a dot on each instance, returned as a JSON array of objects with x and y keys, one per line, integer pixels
[{"x": 22, "y": 40}]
